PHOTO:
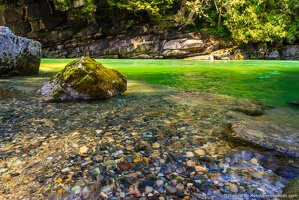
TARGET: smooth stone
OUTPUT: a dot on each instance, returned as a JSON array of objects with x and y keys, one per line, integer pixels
[
  {"x": 200, "y": 152},
  {"x": 122, "y": 194},
  {"x": 129, "y": 148},
  {"x": 170, "y": 189},
  {"x": 256, "y": 175},
  {"x": 180, "y": 187},
  {"x": 189, "y": 154},
  {"x": 254, "y": 161},
  {"x": 83, "y": 150},
  {"x": 67, "y": 169},
  {"x": 159, "y": 183},
  {"x": 156, "y": 145},
  {"x": 109, "y": 163},
  {"x": 199, "y": 168},
  {"x": 148, "y": 189},
  {"x": 233, "y": 188},
  {"x": 76, "y": 189}
]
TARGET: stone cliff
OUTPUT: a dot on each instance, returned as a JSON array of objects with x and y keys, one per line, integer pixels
[{"x": 116, "y": 34}]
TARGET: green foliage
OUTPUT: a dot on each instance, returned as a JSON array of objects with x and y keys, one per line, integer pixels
[
  {"x": 247, "y": 21},
  {"x": 89, "y": 7},
  {"x": 262, "y": 20},
  {"x": 62, "y": 5},
  {"x": 155, "y": 8}
]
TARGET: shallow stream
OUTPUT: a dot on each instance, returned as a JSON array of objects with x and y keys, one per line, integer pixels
[{"x": 176, "y": 136}]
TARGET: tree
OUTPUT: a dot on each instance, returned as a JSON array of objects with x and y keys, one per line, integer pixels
[
  {"x": 89, "y": 6},
  {"x": 262, "y": 20},
  {"x": 156, "y": 9}
]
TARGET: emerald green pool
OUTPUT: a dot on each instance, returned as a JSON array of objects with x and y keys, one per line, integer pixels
[{"x": 271, "y": 82}]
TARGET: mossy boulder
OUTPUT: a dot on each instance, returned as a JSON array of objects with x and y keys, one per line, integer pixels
[
  {"x": 84, "y": 79},
  {"x": 291, "y": 191}
]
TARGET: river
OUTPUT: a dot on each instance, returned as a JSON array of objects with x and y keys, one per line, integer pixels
[{"x": 176, "y": 149}]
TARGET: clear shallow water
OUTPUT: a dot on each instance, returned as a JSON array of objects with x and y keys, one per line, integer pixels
[
  {"x": 146, "y": 112},
  {"x": 271, "y": 82}
]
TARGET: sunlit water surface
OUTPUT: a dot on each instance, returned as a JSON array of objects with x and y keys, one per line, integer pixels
[{"x": 272, "y": 82}]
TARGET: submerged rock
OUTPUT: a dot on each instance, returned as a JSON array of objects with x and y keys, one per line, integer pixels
[
  {"x": 10, "y": 92},
  {"x": 18, "y": 55},
  {"x": 293, "y": 102},
  {"x": 84, "y": 79},
  {"x": 280, "y": 138}
]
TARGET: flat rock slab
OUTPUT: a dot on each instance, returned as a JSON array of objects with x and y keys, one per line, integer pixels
[
  {"x": 280, "y": 138},
  {"x": 219, "y": 101}
]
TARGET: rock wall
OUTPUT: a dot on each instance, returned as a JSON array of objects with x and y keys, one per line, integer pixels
[
  {"x": 119, "y": 35},
  {"x": 261, "y": 51}
]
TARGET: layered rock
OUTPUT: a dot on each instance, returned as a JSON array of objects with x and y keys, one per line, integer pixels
[
  {"x": 18, "y": 55},
  {"x": 68, "y": 34},
  {"x": 84, "y": 79}
]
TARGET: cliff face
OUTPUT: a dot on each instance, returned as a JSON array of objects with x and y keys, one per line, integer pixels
[{"x": 116, "y": 34}]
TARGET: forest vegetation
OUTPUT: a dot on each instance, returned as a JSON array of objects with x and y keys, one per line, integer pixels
[{"x": 245, "y": 21}]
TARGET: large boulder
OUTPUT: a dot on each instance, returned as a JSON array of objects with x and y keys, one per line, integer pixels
[
  {"x": 18, "y": 55},
  {"x": 84, "y": 79}
]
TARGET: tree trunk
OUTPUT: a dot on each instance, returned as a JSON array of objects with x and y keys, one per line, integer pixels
[{"x": 182, "y": 11}]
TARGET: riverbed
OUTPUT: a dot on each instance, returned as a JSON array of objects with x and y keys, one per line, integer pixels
[{"x": 158, "y": 140}]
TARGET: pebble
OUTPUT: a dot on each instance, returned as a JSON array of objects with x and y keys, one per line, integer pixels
[
  {"x": 170, "y": 189},
  {"x": 256, "y": 175},
  {"x": 83, "y": 150},
  {"x": 233, "y": 188},
  {"x": 180, "y": 187},
  {"x": 159, "y": 183},
  {"x": 156, "y": 145},
  {"x": 254, "y": 161},
  {"x": 129, "y": 148},
  {"x": 67, "y": 169},
  {"x": 189, "y": 154},
  {"x": 199, "y": 168},
  {"x": 76, "y": 189},
  {"x": 200, "y": 152},
  {"x": 148, "y": 189}
]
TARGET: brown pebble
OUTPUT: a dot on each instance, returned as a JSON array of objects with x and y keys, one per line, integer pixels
[
  {"x": 129, "y": 148},
  {"x": 124, "y": 166},
  {"x": 199, "y": 168}
]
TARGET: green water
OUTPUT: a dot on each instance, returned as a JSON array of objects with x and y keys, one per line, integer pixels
[{"x": 271, "y": 82}]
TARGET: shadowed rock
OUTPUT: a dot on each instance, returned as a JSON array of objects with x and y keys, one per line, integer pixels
[
  {"x": 293, "y": 102},
  {"x": 18, "y": 55},
  {"x": 84, "y": 79}
]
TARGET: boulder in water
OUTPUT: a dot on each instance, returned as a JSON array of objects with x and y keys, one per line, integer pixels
[
  {"x": 293, "y": 102},
  {"x": 18, "y": 55},
  {"x": 84, "y": 79}
]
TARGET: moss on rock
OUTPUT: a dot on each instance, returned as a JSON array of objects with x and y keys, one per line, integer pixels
[
  {"x": 84, "y": 79},
  {"x": 292, "y": 190}
]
